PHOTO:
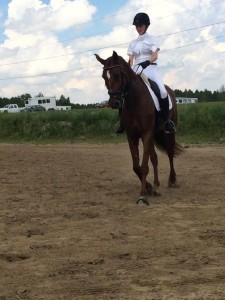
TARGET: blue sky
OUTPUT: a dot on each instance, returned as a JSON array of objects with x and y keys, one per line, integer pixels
[{"x": 49, "y": 46}]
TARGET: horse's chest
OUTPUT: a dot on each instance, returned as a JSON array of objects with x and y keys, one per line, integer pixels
[{"x": 138, "y": 123}]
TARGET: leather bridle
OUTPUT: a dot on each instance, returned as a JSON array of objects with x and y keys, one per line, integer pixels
[{"x": 120, "y": 95}]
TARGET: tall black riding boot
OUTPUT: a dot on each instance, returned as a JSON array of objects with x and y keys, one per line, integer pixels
[
  {"x": 169, "y": 125},
  {"x": 120, "y": 129}
]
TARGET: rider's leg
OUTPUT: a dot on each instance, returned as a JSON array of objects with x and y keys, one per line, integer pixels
[
  {"x": 163, "y": 100},
  {"x": 169, "y": 125}
]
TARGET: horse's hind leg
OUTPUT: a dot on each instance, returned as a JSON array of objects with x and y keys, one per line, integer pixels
[
  {"x": 170, "y": 152},
  {"x": 172, "y": 181}
]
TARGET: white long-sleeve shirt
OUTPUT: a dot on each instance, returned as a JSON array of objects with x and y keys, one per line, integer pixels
[{"x": 142, "y": 48}]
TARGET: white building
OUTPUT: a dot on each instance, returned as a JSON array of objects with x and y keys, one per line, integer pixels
[{"x": 186, "y": 100}]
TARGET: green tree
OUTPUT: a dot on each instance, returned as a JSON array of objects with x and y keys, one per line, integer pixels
[
  {"x": 40, "y": 94},
  {"x": 63, "y": 101}
]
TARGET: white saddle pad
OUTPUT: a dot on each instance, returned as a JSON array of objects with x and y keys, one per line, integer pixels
[{"x": 155, "y": 99}]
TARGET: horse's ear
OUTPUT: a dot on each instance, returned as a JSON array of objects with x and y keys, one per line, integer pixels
[
  {"x": 115, "y": 57},
  {"x": 101, "y": 60}
]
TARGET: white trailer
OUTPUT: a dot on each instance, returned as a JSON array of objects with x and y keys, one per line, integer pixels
[
  {"x": 186, "y": 100},
  {"x": 48, "y": 102}
]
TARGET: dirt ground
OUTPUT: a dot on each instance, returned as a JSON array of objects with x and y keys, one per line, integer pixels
[{"x": 71, "y": 229}]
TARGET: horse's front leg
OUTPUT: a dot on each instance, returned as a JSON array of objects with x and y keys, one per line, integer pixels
[
  {"x": 149, "y": 151},
  {"x": 133, "y": 144},
  {"x": 144, "y": 168},
  {"x": 146, "y": 188},
  {"x": 138, "y": 170},
  {"x": 154, "y": 161}
]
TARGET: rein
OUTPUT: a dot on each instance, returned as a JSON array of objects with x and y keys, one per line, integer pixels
[{"x": 111, "y": 67}]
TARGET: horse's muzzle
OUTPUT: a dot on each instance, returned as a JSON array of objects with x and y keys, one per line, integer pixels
[{"x": 114, "y": 103}]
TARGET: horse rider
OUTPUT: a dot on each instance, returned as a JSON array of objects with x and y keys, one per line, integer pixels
[{"x": 143, "y": 51}]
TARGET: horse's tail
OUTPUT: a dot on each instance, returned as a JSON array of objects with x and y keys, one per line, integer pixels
[{"x": 166, "y": 142}]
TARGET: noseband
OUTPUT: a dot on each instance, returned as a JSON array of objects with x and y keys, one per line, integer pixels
[{"x": 120, "y": 95}]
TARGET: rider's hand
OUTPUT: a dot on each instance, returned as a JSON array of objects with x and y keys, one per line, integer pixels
[{"x": 144, "y": 64}]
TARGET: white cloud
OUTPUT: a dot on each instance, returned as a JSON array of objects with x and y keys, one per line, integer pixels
[
  {"x": 33, "y": 15},
  {"x": 32, "y": 34}
]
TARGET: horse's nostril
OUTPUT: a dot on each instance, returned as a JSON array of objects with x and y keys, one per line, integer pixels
[{"x": 116, "y": 105}]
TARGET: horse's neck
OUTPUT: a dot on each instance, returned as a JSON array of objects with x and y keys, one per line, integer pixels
[
  {"x": 137, "y": 87},
  {"x": 138, "y": 95}
]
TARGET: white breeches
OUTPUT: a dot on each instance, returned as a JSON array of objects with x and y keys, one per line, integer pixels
[{"x": 152, "y": 73}]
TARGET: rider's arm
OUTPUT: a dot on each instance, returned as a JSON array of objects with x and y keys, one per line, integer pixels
[
  {"x": 131, "y": 60},
  {"x": 154, "y": 56}
]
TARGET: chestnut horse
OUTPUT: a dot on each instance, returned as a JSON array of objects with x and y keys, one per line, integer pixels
[{"x": 141, "y": 121}]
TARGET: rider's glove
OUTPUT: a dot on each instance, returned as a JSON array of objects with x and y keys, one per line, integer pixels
[{"x": 145, "y": 64}]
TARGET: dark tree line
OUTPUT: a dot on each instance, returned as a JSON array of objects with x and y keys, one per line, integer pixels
[
  {"x": 66, "y": 101},
  {"x": 203, "y": 96},
  {"x": 20, "y": 101}
]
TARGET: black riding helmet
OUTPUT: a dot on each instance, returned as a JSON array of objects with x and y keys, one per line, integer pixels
[{"x": 141, "y": 19}]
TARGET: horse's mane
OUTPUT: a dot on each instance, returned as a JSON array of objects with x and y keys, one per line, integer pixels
[
  {"x": 116, "y": 59},
  {"x": 126, "y": 65}
]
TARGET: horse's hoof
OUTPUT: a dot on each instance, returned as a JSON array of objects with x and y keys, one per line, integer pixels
[
  {"x": 173, "y": 185},
  {"x": 143, "y": 200}
]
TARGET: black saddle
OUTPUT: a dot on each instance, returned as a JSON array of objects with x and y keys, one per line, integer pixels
[{"x": 155, "y": 88}]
